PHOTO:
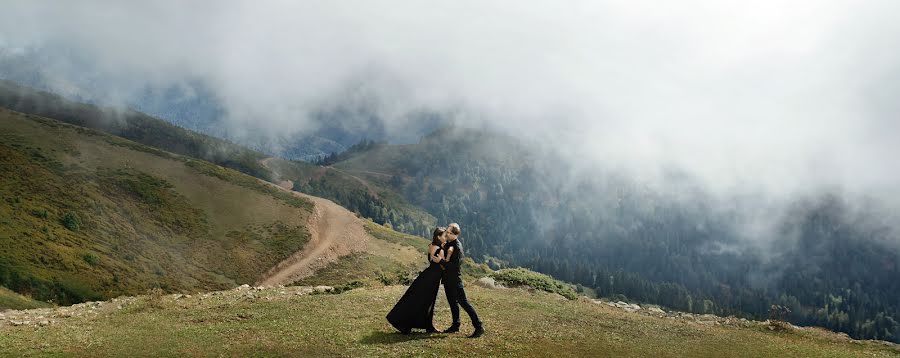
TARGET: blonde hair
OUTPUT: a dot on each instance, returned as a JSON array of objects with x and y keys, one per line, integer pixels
[{"x": 453, "y": 228}]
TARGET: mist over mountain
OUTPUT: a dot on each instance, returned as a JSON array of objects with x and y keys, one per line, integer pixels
[
  {"x": 740, "y": 154},
  {"x": 194, "y": 105},
  {"x": 767, "y": 96}
]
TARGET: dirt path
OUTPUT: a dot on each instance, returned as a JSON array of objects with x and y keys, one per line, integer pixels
[{"x": 335, "y": 232}]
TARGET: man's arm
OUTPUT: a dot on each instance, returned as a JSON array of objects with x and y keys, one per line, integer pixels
[{"x": 449, "y": 253}]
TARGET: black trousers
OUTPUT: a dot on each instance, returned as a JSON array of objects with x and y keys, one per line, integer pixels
[{"x": 456, "y": 296}]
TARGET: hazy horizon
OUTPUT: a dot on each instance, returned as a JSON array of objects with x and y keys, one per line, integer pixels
[{"x": 769, "y": 97}]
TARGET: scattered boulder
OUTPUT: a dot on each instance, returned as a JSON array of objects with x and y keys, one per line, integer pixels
[
  {"x": 488, "y": 282},
  {"x": 322, "y": 288}
]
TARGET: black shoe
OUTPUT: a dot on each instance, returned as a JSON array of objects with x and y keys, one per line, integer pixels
[
  {"x": 453, "y": 329},
  {"x": 432, "y": 330},
  {"x": 479, "y": 331}
]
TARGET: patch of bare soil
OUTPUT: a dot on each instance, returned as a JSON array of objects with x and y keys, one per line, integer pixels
[{"x": 334, "y": 231}]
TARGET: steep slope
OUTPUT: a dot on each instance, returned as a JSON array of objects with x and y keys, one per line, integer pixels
[{"x": 86, "y": 215}]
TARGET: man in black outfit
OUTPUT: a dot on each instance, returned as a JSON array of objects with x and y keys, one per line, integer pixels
[{"x": 453, "y": 285}]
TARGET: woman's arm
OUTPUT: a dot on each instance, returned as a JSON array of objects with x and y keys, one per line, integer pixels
[{"x": 435, "y": 256}]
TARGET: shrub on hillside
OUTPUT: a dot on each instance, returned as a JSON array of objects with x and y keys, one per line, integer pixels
[
  {"x": 91, "y": 259},
  {"x": 71, "y": 221},
  {"x": 405, "y": 277},
  {"x": 384, "y": 279},
  {"x": 40, "y": 213},
  {"x": 522, "y": 277}
]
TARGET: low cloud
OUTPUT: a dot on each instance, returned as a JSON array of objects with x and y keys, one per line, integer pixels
[{"x": 782, "y": 98}]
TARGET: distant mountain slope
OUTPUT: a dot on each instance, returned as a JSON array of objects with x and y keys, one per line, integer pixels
[
  {"x": 196, "y": 104},
  {"x": 834, "y": 261},
  {"x": 332, "y": 184},
  {"x": 134, "y": 126},
  {"x": 86, "y": 215},
  {"x": 369, "y": 198}
]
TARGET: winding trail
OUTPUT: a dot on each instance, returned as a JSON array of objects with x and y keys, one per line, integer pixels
[{"x": 334, "y": 231}]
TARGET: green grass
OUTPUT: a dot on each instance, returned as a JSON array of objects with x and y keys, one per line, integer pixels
[
  {"x": 249, "y": 182},
  {"x": 523, "y": 277},
  {"x": 518, "y": 323},
  {"x": 85, "y": 216},
  {"x": 383, "y": 233},
  {"x": 12, "y": 300},
  {"x": 470, "y": 269},
  {"x": 360, "y": 267}
]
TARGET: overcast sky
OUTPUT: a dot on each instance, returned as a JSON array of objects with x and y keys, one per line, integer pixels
[{"x": 783, "y": 95}]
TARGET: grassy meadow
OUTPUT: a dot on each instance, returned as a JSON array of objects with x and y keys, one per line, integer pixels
[
  {"x": 85, "y": 215},
  {"x": 293, "y": 322}
]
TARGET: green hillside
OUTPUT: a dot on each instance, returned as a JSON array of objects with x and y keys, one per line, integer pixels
[
  {"x": 86, "y": 215},
  {"x": 133, "y": 125},
  {"x": 348, "y": 190},
  {"x": 294, "y": 322},
  {"x": 12, "y": 300},
  {"x": 368, "y": 198},
  {"x": 306, "y": 321}
]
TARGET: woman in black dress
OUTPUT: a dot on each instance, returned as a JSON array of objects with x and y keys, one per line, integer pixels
[{"x": 416, "y": 308}]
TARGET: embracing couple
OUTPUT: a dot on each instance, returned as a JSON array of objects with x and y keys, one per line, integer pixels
[{"x": 416, "y": 308}]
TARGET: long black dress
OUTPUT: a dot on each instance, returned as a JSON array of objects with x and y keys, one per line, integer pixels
[{"x": 416, "y": 308}]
